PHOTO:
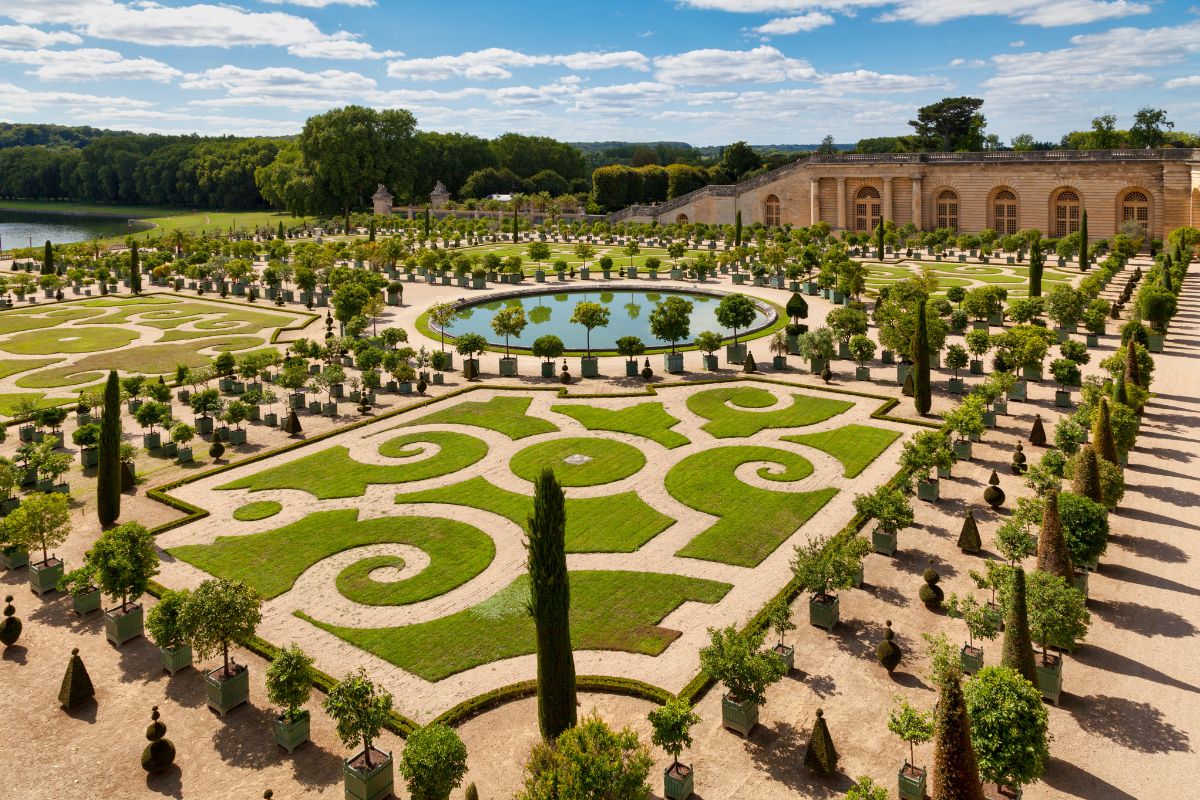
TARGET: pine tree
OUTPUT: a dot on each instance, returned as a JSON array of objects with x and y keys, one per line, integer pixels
[
  {"x": 108, "y": 468},
  {"x": 1037, "y": 434},
  {"x": 550, "y": 606},
  {"x": 821, "y": 756},
  {"x": 955, "y": 767},
  {"x": 968, "y": 538},
  {"x": 1053, "y": 556},
  {"x": 1017, "y": 653},
  {"x": 1084, "y": 261},
  {"x": 76, "y": 686},
  {"x": 135, "y": 270},
  {"x": 1086, "y": 481},
  {"x": 1037, "y": 262},
  {"x": 1102, "y": 434},
  {"x": 922, "y": 392}
]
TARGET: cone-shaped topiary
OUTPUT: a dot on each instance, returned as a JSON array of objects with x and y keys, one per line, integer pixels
[
  {"x": 955, "y": 767},
  {"x": 1017, "y": 653},
  {"x": 1018, "y": 460},
  {"x": 993, "y": 495},
  {"x": 1037, "y": 434},
  {"x": 291, "y": 425},
  {"x": 1133, "y": 370},
  {"x": 160, "y": 753},
  {"x": 821, "y": 756},
  {"x": 1120, "y": 392},
  {"x": 748, "y": 365},
  {"x": 1102, "y": 434},
  {"x": 472, "y": 793},
  {"x": 887, "y": 652},
  {"x": 826, "y": 373},
  {"x": 968, "y": 537},
  {"x": 1086, "y": 481},
  {"x": 931, "y": 594},
  {"x": 10, "y": 628},
  {"x": 908, "y": 389},
  {"x": 76, "y": 686},
  {"x": 1053, "y": 556}
]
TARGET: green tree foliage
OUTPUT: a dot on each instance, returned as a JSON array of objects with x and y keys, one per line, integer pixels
[
  {"x": 1053, "y": 556},
  {"x": 1085, "y": 526},
  {"x": 1017, "y": 652},
  {"x": 821, "y": 756},
  {"x": 737, "y": 661},
  {"x": 1057, "y": 611},
  {"x": 162, "y": 620},
  {"x": 1009, "y": 726},
  {"x": 587, "y": 762},
  {"x": 123, "y": 560},
  {"x": 953, "y": 123},
  {"x": 1086, "y": 474},
  {"x": 359, "y": 710},
  {"x": 672, "y": 724},
  {"x": 736, "y": 312},
  {"x": 922, "y": 392},
  {"x": 41, "y": 522},
  {"x": 912, "y": 725},
  {"x": 218, "y": 613},
  {"x": 1150, "y": 126},
  {"x": 670, "y": 319},
  {"x": 955, "y": 766},
  {"x": 289, "y": 680},
  {"x": 108, "y": 468},
  {"x": 434, "y": 762}
]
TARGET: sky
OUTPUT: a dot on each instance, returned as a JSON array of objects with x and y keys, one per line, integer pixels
[{"x": 701, "y": 71}]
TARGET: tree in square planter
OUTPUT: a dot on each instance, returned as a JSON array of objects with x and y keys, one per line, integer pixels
[
  {"x": 816, "y": 347},
  {"x": 164, "y": 626},
  {"x": 548, "y": 348},
  {"x": 672, "y": 724},
  {"x": 981, "y": 624},
  {"x": 823, "y": 565},
  {"x": 670, "y": 321},
  {"x": 289, "y": 685},
  {"x": 1085, "y": 526},
  {"x": 1066, "y": 374},
  {"x": 736, "y": 312},
  {"x": 862, "y": 350},
  {"x": 42, "y": 522},
  {"x": 150, "y": 415},
  {"x": 1057, "y": 616},
  {"x": 779, "y": 620},
  {"x": 956, "y": 359},
  {"x": 207, "y": 404},
  {"x": 892, "y": 512},
  {"x": 235, "y": 413},
  {"x": 708, "y": 342},
  {"x": 508, "y": 322},
  {"x": 978, "y": 344},
  {"x": 965, "y": 421},
  {"x": 124, "y": 560},
  {"x": 914, "y": 727},
  {"x": 434, "y": 762},
  {"x": 80, "y": 583},
  {"x": 737, "y": 661},
  {"x": 470, "y": 346},
  {"x": 219, "y": 613},
  {"x": 590, "y": 315},
  {"x": 359, "y": 711},
  {"x": 628, "y": 346},
  {"x": 1009, "y": 727},
  {"x": 182, "y": 435}
]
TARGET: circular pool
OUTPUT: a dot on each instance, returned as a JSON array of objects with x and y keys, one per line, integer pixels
[{"x": 549, "y": 312}]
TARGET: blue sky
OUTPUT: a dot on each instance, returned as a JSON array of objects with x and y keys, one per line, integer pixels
[{"x": 701, "y": 71}]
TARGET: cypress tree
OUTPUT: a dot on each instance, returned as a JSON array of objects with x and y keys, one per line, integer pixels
[
  {"x": 371, "y": 232},
  {"x": 425, "y": 224},
  {"x": 108, "y": 468},
  {"x": 922, "y": 393},
  {"x": 968, "y": 538},
  {"x": 1102, "y": 434},
  {"x": 279, "y": 232},
  {"x": 1084, "y": 261},
  {"x": 550, "y": 606},
  {"x": 821, "y": 756},
  {"x": 1086, "y": 481},
  {"x": 1133, "y": 371},
  {"x": 1053, "y": 556},
  {"x": 516, "y": 226},
  {"x": 76, "y": 688},
  {"x": 737, "y": 229},
  {"x": 48, "y": 259},
  {"x": 135, "y": 270},
  {"x": 1018, "y": 645},
  {"x": 1120, "y": 392},
  {"x": 879, "y": 241},
  {"x": 1037, "y": 261},
  {"x": 1167, "y": 274},
  {"x": 955, "y": 767}
]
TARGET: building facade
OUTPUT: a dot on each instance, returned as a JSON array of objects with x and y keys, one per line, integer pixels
[{"x": 1008, "y": 191}]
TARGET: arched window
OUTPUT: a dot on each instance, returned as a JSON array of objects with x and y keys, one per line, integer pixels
[
  {"x": 1066, "y": 213},
  {"x": 682, "y": 219},
  {"x": 1135, "y": 207},
  {"x": 1004, "y": 212},
  {"x": 947, "y": 210},
  {"x": 867, "y": 208},
  {"x": 771, "y": 211}
]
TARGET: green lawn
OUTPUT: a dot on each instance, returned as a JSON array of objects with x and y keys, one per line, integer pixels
[
  {"x": 11, "y": 366},
  {"x": 506, "y": 415},
  {"x": 209, "y": 319},
  {"x": 619, "y": 523},
  {"x": 67, "y": 340},
  {"x": 610, "y": 461},
  {"x": 28, "y": 319},
  {"x": 261, "y": 509},
  {"x": 333, "y": 473},
  {"x": 9, "y": 402},
  {"x": 155, "y": 359},
  {"x": 648, "y": 420},
  {"x": 725, "y": 422},
  {"x": 609, "y": 611},
  {"x": 856, "y": 446},
  {"x": 270, "y": 562},
  {"x": 753, "y": 522}
]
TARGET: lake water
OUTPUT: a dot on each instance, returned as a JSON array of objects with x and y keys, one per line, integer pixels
[
  {"x": 629, "y": 315},
  {"x": 19, "y": 228}
]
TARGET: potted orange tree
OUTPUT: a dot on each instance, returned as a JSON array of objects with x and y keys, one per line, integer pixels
[
  {"x": 359, "y": 712},
  {"x": 289, "y": 685},
  {"x": 162, "y": 621},
  {"x": 124, "y": 560},
  {"x": 736, "y": 660},
  {"x": 914, "y": 727},
  {"x": 892, "y": 512},
  {"x": 42, "y": 522},
  {"x": 218, "y": 613},
  {"x": 672, "y": 724},
  {"x": 823, "y": 565}
]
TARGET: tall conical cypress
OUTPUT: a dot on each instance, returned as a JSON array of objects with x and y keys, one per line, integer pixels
[
  {"x": 879, "y": 241},
  {"x": 48, "y": 259},
  {"x": 550, "y": 606},
  {"x": 1120, "y": 391},
  {"x": 1084, "y": 261},
  {"x": 1102, "y": 434},
  {"x": 1053, "y": 556},
  {"x": 1133, "y": 370},
  {"x": 922, "y": 392},
  {"x": 135, "y": 270},
  {"x": 955, "y": 766},
  {"x": 1086, "y": 481},
  {"x": 279, "y": 231},
  {"x": 1166, "y": 273},
  {"x": 1017, "y": 653},
  {"x": 425, "y": 224},
  {"x": 516, "y": 226},
  {"x": 737, "y": 229},
  {"x": 108, "y": 468},
  {"x": 1037, "y": 261}
]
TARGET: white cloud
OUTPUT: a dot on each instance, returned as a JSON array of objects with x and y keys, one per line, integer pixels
[
  {"x": 341, "y": 46},
  {"x": 803, "y": 23},
  {"x": 494, "y": 63},
  {"x": 321, "y": 3},
  {"x": 24, "y": 101},
  {"x": 1183, "y": 83},
  {"x": 25, "y": 36},
  {"x": 932, "y": 12},
  {"x": 1017, "y": 43},
  {"x": 763, "y": 64},
  {"x": 90, "y": 64},
  {"x": 973, "y": 62},
  {"x": 284, "y": 84},
  {"x": 865, "y": 81}
]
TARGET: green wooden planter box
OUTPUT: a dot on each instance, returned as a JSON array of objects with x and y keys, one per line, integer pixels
[
  {"x": 373, "y": 784},
  {"x": 862, "y": 373},
  {"x": 508, "y": 367},
  {"x": 962, "y": 449},
  {"x": 44, "y": 575},
  {"x": 204, "y": 425},
  {"x": 902, "y": 370},
  {"x": 883, "y": 542},
  {"x": 1032, "y": 373},
  {"x": 710, "y": 363},
  {"x": 14, "y": 557},
  {"x": 548, "y": 369},
  {"x": 787, "y": 654},
  {"x": 175, "y": 659},
  {"x": 779, "y": 362},
  {"x": 678, "y": 784},
  {"x": 955, "y": 386},
  {"x": 672, "y": 363},
  {"x": 589, "y": 367},
  {"x": 1049, "y": 677},
  {"x": 290, "y": 735},
  {"x": 87, "y": 602},
  {"x": 824, "y": 613},
  {"x": 735, "y": 353},
  {"x": 976, "y": 366},
  {"x": 169, "y": 449},
  {"x": 1019, "y": 391},
  {"x": 120, "y": 627},
  {"x": 738, "y": 717},
  {"x": 971, "y": 659},
  {"x": 1000, "y": 407},
  {"x": 912, "y": 783},
  {"x": 1062, "y": 398},
  {"x": 929, "y": 491},
  {"x": 89, "y": 456},
  {"x": 184, "y": 456},
  {"x": 226, "y": 695},
  {"x": 944, "y": 473},
  {"x": 1093, "y": 340}
]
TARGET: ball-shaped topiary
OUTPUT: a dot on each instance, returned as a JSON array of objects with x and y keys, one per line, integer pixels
[
  {"x": 1019, "y": 460},
  {"x": 216, "y": 450},
  {"x": 887, "y": 652},
  {"x": 826, "y": 373},
  {"x": 160, "y": 753},
  {"x": 10, "y": 628},
  {"x": 931, "y": 594},
  {"x": 993, "y": 494}
]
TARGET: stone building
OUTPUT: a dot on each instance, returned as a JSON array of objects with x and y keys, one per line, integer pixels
[
  {"x": 440, "y": 196},
  {"x": 1008, "y": 191},
  {"x": 381, "y": 201}
]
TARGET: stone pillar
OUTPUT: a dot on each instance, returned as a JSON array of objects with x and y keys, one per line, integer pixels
[
  {"x": 888, "y": 212},
  {"x": 814, "y": 201},
  {"x": 841, "y": 200},
  {"x": 916, "y": 203}
]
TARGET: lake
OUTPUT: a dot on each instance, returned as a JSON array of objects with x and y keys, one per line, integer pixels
[{"x": 19, "y": 228}]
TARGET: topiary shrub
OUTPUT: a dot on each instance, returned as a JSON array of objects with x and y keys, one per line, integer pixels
[
  {"x": 1037, "y": 434},
  {"x": 216, "y": 450},
  {"x": 76, "y": 686},
  {"x": 821, "y": 756},
  {"x": 909, "y": 388},
  {"x": 993, "y": 494},
  {"x": 887, "y": 652},
  {"x": 1018, "y": 465},
  {"x": 931, "y": 594},
  {"x": 968, "y": 538},
  {"x": 472, "y": 793},
  {"x": 826, "y": 373},
  {"x": 748, "y": 365},
  {"x": 10, "y": 628},
  {"x": 160, "y": 753}
]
